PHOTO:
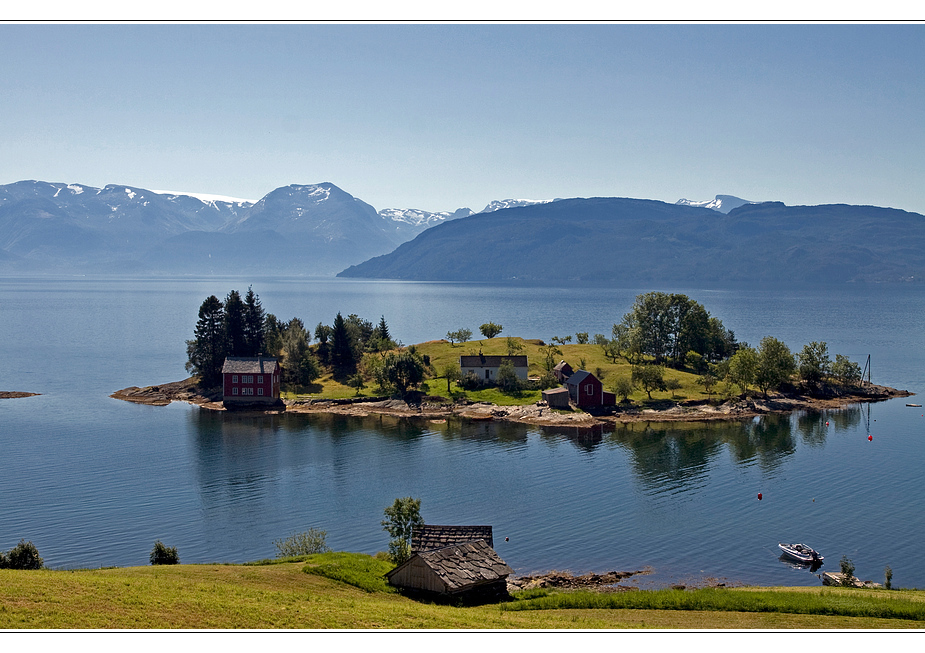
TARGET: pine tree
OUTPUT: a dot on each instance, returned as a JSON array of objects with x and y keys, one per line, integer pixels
[
  {"x": 382, "y": 331},
  {"x": 254, "y": 324},
  {"x": 234, "y": 324},
  {"x": 341, "y": 349},
  {"x": 208, "y": 350}
]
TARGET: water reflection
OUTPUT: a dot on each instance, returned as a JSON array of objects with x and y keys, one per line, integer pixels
[
  {"x": 236, "y": 452},
  {"x": 815, "y": 426}
]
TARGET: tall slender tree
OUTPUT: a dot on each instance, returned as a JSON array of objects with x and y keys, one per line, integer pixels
[
  {"x": 341, "y": 347},
  {"x": 234, "y": 324},
  {"x": 254, "y": 324},
  {"x": 206, "y": 352}
]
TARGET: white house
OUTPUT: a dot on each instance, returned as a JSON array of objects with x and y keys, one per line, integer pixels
[{"x": 486, "y": 368}]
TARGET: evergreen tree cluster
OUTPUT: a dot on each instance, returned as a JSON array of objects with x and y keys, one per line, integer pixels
[
  {"x": 234, "y": 327},
  {"x": 240, "y": 327}
]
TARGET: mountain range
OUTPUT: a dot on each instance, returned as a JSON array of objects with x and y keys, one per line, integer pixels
[
  {"x": 313, "y": 229},
  {"x": 646, "y": 243},
  {"x": 320, "y": 229}
]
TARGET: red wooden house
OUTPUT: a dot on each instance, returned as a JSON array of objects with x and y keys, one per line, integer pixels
[
  {"x": 585, "y": 390},
  {"x": 250, "y": 380}
]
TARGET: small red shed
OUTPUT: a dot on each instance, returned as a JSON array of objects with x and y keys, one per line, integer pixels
[{"x": 585, "y": 390}]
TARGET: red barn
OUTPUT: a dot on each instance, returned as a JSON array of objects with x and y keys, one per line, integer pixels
[
  {"x": 585, "y": 390},
  {"x": 250, "y": 380}
]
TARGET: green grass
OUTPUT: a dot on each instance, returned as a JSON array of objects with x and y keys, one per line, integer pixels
[
  {"x": 352, "y": 568},
  {"x": 442, "y": 353},
  {"x": 347, "y": 591},
  {"x": 829, "y": 602}
]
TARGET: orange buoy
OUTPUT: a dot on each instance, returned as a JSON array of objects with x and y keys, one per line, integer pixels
[{"x": 759, "y": 496}]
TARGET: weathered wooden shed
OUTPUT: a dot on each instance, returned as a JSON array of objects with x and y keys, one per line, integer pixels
[
  {"x": 454, "y": 570},
  {"x": 562, "y": 371},
  {"x": 556, "y": 397},
  {"x": 428, "y": 537}
]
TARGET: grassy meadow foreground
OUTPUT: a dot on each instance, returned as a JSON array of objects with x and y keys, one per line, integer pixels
[{"x": 347, "y": 591}]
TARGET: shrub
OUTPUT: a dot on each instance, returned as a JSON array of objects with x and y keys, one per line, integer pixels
[
  {"x": 164, "y": 555},
  {"x": 888, "y": 575},
  {"x": 304, "y": 543},
  {"x": 470, "y": 381},
  {"x": 22, "y": 556},
  {"x": 847, "y": 568}
]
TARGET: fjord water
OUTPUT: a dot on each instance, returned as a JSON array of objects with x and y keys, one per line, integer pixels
[{"x": 95, "y": 481}]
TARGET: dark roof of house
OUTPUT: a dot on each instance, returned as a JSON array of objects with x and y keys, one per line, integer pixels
[
  {"x": 556, "y": 391},
  {"x": 491, "y": 361},
  {"x": 428, "y": 537},
  {"x": 249, "y": 365},
  {"x": 578, "y": 377},
  {"x": 463, "y": 566}
]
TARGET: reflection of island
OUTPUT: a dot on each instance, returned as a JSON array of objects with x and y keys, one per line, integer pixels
[
  {"x": 17, "y": 395},
  {"x": 678, "y": 453}
]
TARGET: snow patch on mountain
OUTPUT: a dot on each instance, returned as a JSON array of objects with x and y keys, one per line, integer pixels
[
  {"x": 497, "y": 205},
  {"x": 420, "y": 218},
  {"x": 722, "y": 203},
  {"x": 204, "y": 197}
]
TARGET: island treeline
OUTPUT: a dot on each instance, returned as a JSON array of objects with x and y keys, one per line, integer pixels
[
  {"x": 241, "y": 327},
  {"x": 661, "y": 331},
  {"x": 674, "y": 330}
]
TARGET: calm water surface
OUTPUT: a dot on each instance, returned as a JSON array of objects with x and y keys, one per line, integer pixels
[{"x": 94, "y": 481}]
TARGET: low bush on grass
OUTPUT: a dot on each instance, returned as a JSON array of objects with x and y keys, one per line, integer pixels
[
  {"x": 853, "y": 603},
  {"x": 22, "y": 556},
  {"x": 357, "y": 569},
  {"x": 301, "y": 544},
  {"x": 162, "y": 554}
]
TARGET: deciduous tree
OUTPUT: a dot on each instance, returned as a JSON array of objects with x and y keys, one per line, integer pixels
[
  {"x": 400, "y": 519},
  {"x": 775, "y": 364},
  {"x": 649, "y": 378},
  {"x": 490, "y": 329},
  {"x": 814, "y": 363}
]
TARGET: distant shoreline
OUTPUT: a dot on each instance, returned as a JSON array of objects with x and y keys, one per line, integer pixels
[{"x": 701, "y": 411}]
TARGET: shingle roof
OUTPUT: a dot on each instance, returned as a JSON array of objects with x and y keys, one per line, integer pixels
[
  {"x": 249, "y": 365},
  {"x": 463, "y": 566},
  {"x": 428, "y": 537},
  {"x": 491, "y": 361},
  {"x": 578, "y": 377}
]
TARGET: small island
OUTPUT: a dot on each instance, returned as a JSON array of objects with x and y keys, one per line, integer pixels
[
  {"x": 667, "y": 360},
  {"x": 16, "y": 395}
]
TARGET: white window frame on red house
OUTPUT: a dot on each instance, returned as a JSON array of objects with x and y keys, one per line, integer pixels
[
  {"x": 234, "y": 390},
  {"x": 234, "y": 378}
]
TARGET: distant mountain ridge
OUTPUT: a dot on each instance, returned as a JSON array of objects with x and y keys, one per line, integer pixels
[
  {"x": 646, "y": 243},
  {"x": 314, "y": 229},
  {"x": 721, "y": 203}
]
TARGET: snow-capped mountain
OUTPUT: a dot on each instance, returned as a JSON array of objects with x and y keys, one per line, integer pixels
[
  {"x": 497, "y": 205},
  {"x": 722, "y": 203}
]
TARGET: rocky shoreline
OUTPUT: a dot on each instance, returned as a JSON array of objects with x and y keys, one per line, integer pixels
[{"x": 438, "y": 408}]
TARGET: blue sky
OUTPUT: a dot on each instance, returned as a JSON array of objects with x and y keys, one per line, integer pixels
[{"x": 437, "y": 117}]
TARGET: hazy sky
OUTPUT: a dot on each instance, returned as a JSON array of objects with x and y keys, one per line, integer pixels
[{"x": 442, "y": 116}]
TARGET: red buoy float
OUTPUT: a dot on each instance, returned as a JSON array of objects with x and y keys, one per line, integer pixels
[
  {"x": 759, "y": 496},
  {"x": 870, "y": 438}
]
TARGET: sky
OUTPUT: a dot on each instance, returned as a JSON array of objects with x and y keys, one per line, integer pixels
[{"x": 443, "y": 116}]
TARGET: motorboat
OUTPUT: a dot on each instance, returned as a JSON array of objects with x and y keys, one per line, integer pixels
[{"x": 801, "y": 553}]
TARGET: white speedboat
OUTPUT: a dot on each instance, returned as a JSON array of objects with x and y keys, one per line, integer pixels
[{"x": 801, "y": 553}]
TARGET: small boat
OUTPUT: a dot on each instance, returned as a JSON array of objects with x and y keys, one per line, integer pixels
[
  {"x": 801, "y": 553},
  {"x": 915, "y": 405}
]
